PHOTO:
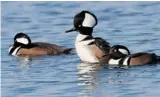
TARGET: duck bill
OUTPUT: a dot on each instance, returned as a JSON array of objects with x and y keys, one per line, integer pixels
[{"x": 71, "y": 30}]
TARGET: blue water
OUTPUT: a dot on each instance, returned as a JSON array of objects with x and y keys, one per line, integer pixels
[{"x": 133, "y": 24}]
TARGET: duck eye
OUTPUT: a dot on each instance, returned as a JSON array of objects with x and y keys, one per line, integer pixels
[
  {"x": 79, "y": 25},
  {"x": 115, "y": 50}
]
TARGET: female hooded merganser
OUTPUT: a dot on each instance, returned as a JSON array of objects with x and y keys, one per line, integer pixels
[
  {"x": 120, "y": 55},
  {"x": 88, "y": 48},
  {"x": 22, "y": 46}
]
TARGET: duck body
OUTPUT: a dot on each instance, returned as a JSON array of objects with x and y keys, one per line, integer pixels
[
  {"x": 88, "y": 48},
  {"x": 23, "y": 47},
  {"x": 120, "y": 55},
  {"x": 132, "y": 60},
  {"x": 97, "y": 50},
  {"x": 41, "y": 48}
]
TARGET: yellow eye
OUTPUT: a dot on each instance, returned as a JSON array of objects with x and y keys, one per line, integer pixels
[{"x": 79, "y": 25}]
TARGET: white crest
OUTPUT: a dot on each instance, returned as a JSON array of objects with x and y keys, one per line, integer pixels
[
  {"x": 89, "y": 20},
  {"x": 22, "y": 40},
  {"x": 124, "y": 51}
]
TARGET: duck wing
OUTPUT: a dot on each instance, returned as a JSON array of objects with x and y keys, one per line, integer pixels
[
  {"x": 54, "y": 47},
  {"x": 102, "y": 44}
]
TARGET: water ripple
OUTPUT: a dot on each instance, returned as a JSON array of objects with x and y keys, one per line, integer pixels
[{"x": 133, "y": 24}]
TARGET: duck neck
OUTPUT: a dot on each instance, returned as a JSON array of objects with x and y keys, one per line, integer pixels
[
  {"x": 82, "y": 37},
  {"x": 86, "y": 31}
]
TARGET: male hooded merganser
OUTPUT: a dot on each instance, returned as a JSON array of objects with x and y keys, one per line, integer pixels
[
  {"x": 89, "y": 49},
  {"x": 120, "y": 55},
  {"x": 22, "y": 46},
  {"x": 119, "y": 51},
  {"x": 95, "y": 50}
]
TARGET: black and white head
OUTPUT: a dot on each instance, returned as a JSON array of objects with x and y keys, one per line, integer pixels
[
  {"x": 84, "y": 22},
  {"x": 119, "y": 51},
  {"x": 20, "y": 40}
]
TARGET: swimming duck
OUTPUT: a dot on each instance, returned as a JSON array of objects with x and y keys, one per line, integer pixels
[
  {"x": 120, "y": 55},
  {"x": 89, "y": 49},
  {"x": 23, "y": 46}
]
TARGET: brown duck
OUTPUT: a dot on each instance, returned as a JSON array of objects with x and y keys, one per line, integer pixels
[{"x": 23, "y": 46}]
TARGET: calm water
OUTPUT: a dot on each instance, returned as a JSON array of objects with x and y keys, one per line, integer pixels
[{"x": 134, "y": 24}]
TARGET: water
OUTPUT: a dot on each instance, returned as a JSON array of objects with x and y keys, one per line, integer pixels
[{"x": 133, "y": 24}]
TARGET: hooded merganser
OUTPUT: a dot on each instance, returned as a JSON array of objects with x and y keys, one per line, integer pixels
[
  {"x": 23, "y": 46},
  {"x": 119, "y": 51},
  {"x": 120, "y": 55},
  {"x": 89, "y": 49}
]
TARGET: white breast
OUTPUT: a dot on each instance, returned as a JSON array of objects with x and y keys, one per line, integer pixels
[
  {"x": 114, "y": 61},
  {"x": 15, "y": 51},
  {"x": 84, "y": 51}
]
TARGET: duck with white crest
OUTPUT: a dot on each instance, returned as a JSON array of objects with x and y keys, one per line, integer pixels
[
  {"x": 24, "y": 47},
  {"x": 96, "y": 50}
]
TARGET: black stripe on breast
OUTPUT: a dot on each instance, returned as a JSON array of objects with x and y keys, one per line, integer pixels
[
  {"x": 128, "y": 63},
  {"x": 91, "y": 43},
  {"x": 121, "y": 61},
  {"x": 18, "y": 50},
  {"x": 13, "y": 49},
  {"x": 87, "y": 38}
]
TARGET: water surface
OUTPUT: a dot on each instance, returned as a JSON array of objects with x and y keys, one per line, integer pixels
[{"x": 133, "y": 24}]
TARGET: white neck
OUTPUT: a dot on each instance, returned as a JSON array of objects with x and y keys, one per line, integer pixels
[{"x": 80, "y": 37}]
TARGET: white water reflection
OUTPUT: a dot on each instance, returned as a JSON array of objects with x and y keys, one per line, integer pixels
[
  {"x": 88, "y": 78},
  {"x": 25, "y": 62}
]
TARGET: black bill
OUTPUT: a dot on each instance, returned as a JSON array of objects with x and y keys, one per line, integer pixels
[{"x": 71, "y": 30}]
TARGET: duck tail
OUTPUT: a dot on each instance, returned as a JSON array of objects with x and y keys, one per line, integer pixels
[{"x": 68, "y": 50}]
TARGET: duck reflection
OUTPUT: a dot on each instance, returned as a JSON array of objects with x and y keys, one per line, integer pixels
[
  {"x": 88, "y": 78},
  {"x": 25, "y": 62}
]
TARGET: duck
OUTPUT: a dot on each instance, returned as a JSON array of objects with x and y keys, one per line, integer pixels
[
  {"x": 23, "y": 46},
  {"x": 96, "y": 50},
  {"x": 89, "y": 49},
  {"x": 120, "y": 55}
]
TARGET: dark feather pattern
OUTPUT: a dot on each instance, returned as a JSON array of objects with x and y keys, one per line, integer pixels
[
  {"x": 99, "y": 42},
  {"x": 54, "y": 47},
  {"x": 102, "y": 44}
]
